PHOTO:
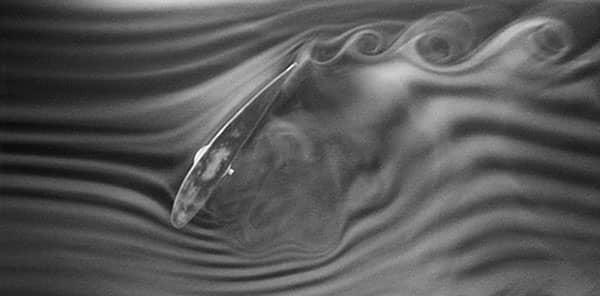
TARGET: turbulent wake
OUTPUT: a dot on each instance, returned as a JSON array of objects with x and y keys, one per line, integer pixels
[{"x": 413, "y": 148}]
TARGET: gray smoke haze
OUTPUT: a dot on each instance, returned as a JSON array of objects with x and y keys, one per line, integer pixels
[{"x": 422, "y": 148}]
